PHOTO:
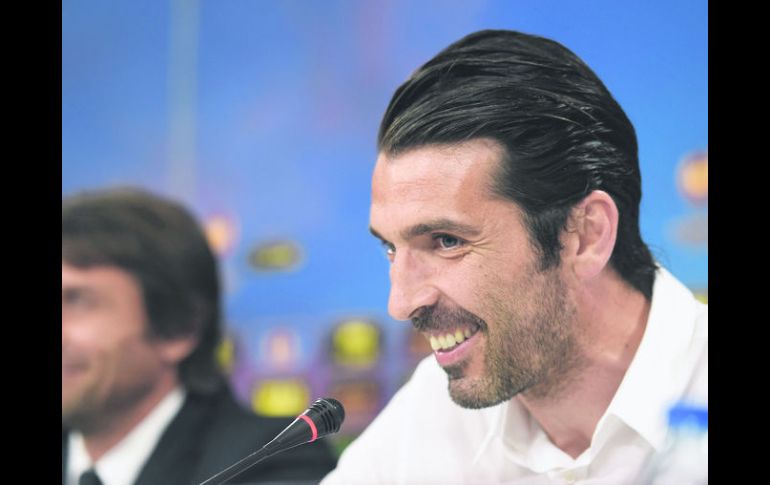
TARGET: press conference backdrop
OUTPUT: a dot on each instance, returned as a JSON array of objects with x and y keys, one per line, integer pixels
[{"x": 262, "y": 117}]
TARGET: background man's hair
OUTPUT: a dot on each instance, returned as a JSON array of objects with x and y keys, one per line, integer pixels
[
  {"x": 161, "y": 244},
  {"x": 562, "y": 132}
]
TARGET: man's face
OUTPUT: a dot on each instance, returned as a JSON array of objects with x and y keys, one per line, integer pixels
[
  {"x": 108, "y": 362},
  {"x": 463, "y": 269}
]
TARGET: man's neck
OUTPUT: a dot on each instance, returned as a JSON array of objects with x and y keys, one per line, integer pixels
[
  {"x": 611, "y": 321},
  {"x": 100, "y": 438}
]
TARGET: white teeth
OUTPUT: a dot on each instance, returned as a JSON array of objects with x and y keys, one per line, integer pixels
[
  {"x": 459, "y": 337},
  {"x": 449, "y": 340},
  {"x": 442, "y": 341},
  {"x": 434, "y": 343}
]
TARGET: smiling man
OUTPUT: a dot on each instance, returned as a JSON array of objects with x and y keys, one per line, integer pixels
[
  {"x": 463, "y": 270},
  {"x": 144, "y": 401},
  {"x": 506, "y": 194}
]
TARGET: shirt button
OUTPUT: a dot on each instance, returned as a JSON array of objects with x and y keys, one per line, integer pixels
[{"x": 569, "y": 476}]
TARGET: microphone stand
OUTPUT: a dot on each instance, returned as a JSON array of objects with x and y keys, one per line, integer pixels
[{"x": 235, "y": 469}]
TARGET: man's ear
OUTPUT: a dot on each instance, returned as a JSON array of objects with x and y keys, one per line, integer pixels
[
  {"x": 590, "y": 236},
  {"x": 176, "y": 349}
]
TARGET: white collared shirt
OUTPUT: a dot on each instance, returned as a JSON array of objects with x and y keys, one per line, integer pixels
[
  {"x": 423, "y": 437},
  {"x": 123, "y": 462}
]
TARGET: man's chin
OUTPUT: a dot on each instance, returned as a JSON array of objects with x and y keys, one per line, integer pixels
[
  {"x": 465, "y": 397},
  {"x": 74, "y": 411},
  {"x": 476, "y": 392},
  {"x": 468, "y": 392}
]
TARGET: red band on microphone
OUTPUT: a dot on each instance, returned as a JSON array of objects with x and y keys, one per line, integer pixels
[{"x": 312, "y": 427}]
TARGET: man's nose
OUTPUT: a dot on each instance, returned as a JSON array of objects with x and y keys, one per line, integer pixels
[{"x": 411, "y": 286}]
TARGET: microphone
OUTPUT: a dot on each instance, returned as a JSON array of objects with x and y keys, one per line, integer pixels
[{"x": 322, "y": 418}]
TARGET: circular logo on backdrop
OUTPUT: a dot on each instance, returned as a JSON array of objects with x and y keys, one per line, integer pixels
[
  {"x": 693, "y": 178},
  {"x": 356, "y": 343},
  {"x": 280, "y": 397},
  {"x": 275, "y": 256}
]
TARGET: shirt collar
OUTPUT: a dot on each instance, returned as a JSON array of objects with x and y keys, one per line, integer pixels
[
  {"x": 524, "y": 442},
  {"x": 123, "y": 462},
  {"x": 656, "y": 376},
  {"x": 78, "y": 460}
]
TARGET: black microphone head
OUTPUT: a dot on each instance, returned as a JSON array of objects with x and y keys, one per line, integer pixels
[
  {"x": 323, "y": 417},
  {"x": 327, "y": 414}
]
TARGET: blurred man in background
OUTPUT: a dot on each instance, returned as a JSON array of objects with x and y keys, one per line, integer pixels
[
  {"x": 507, "y": 193},
  {"x": 143, "y": 398}
]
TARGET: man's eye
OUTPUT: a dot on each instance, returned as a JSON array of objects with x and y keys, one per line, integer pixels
[
  {"x": 446, "y": 241},
  {"x": 76, "y": 298},
  {"x": 390, "y": 249}
]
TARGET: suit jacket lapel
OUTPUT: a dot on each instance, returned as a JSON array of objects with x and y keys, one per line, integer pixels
[{"x": 174, "y": 459}]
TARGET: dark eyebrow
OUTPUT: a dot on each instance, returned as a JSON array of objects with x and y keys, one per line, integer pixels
[
  {"x": 376, "y": 234},
  {"x": 78, "y": 290},
  {"x": 440, "y": 225}
]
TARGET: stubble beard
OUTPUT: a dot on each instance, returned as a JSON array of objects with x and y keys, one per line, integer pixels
[
  {"x": 90, "y": 406},
  {"x": 531, "y": 349}
]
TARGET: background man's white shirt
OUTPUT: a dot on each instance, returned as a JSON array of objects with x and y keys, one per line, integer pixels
[{"x": 121, "y": 464}]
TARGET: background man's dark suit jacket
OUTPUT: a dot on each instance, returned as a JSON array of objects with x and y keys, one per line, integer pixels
[{"x": 210, "y": 433}]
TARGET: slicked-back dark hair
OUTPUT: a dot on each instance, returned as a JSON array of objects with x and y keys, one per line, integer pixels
[
  {"x": 161, "y": 244},
  {"x": 563, "y": 134}
]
